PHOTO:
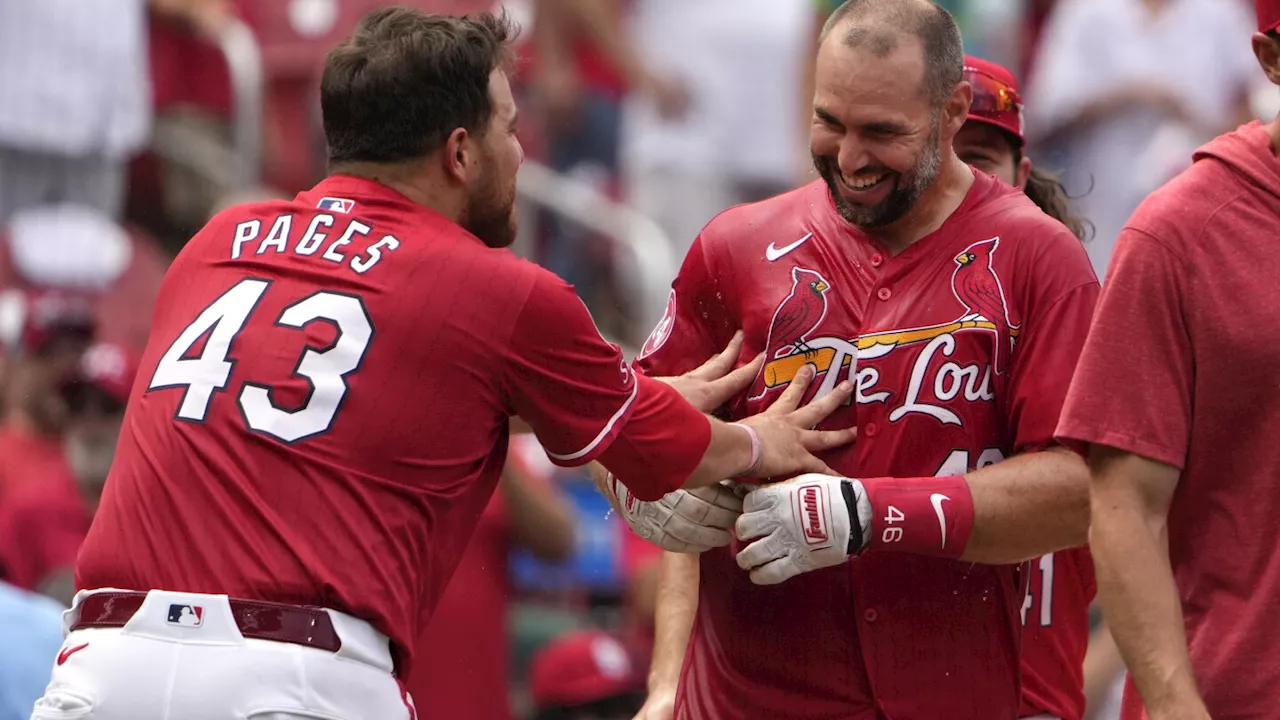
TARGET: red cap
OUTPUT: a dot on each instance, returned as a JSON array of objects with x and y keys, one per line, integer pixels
[
  {"x": 30, "y": 317},
  {"x": 583, "y": 667},
  {"x": 110, "y": 368},
  {"x": 996, "y": 98},
  {"x": 1268, "y": 15}
]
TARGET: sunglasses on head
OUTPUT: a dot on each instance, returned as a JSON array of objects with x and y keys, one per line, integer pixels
[{"x": 994, "y": 99}]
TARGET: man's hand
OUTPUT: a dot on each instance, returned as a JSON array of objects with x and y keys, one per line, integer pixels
[
  {"x": 803, "y": 524},
  {"x": 714, "y": 382},
  {"x": 787, "y": 440},
  {"x": 684, "y": 521}
]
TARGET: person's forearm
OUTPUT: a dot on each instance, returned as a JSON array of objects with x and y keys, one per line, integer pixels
[
  {"x": 1028, "y": 505},
  {"x": 1022, "y": 508},
  {"x": 1140, "y": 601},
  {"x": 677, "y": 606},
  {"x": 541, "y": 520}
]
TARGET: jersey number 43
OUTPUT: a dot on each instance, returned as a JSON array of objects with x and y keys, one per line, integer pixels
[{"x": 325, "y": 368}]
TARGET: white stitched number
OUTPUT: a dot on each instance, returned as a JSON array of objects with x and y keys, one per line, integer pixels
[
  {"x": 326, "y": 369},
  {"x": 1046, "y": 593}
]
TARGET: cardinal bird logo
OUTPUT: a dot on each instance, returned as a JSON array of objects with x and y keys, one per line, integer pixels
[
  {"x": 978, "y": 288},
  {"x": 797, "y": 317}
]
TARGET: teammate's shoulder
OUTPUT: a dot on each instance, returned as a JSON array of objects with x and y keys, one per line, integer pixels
[
  {"x": 779, "y": 215},
  {"x": 1190, "y": 205}
]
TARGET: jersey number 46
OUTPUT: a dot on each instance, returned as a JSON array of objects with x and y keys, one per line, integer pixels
[{"x": 325, "y": 368}]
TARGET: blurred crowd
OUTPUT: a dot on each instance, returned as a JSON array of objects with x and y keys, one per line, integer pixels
[{"x": 125, "y": 124}]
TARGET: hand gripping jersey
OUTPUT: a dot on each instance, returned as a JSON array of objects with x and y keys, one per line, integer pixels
[{"x": 961, "y": 348}]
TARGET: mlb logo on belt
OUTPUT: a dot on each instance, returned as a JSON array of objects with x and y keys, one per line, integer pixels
[
  {"x": 186, "y": 615},
  {"x": 341, "y": 205}
]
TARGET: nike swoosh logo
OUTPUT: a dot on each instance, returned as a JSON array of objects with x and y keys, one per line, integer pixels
[
  {"x": 68, "y": 652},
  {"x": 937, "y": 499},
  {"x": 772, "y": 253}
]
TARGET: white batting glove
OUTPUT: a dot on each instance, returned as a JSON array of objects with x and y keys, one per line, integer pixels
[
  {"x": 802, "y": 524},
  {"x": 684, "y": 521}
]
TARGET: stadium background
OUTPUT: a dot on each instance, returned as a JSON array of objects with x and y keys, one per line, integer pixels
[{"x": 124, "y": 124}]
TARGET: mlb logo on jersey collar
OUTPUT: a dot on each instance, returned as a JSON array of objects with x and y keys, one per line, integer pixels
[
  {"x": 186, "y": 615},
  {"x": 341, "y": 205}
]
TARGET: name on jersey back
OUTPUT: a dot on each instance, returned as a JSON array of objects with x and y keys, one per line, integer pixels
[{"x": 322, "y": 237}]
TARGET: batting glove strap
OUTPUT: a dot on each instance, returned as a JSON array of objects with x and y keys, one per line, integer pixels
[
  {"x": 859, "y": 507},
  {"x": 924, "y": 516}
]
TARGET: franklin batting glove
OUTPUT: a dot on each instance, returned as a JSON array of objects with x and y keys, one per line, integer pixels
[
  {"x": 809, "y": 522},
  {"x": 684, "y": 521}
]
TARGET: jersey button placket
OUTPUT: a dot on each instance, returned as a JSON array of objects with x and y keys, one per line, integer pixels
[
  {"x": 870, "y": 615},
  {"x": 877, "y": 260},
  {"x": 870, "y": 430},
  {"x": 884, "y": 293}
]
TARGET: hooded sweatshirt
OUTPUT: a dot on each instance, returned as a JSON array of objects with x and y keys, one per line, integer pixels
[{"x": 1182, "y": 366}]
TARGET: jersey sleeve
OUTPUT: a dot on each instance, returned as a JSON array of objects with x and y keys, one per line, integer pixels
[
  {"x": 562, "y": 377},
  {"x": 1132, "y": 390},
  {"x": 1054, "y": 327},
  {"x": 689, "y": 332}
]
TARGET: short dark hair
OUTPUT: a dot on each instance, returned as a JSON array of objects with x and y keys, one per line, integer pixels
[
  {"x": 405, "y": 80},
  {"x": 877, "y": 25}
]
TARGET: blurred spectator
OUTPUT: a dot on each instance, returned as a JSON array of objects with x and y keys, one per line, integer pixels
[
  {"x": 586, "y": 675},
  {"x": 97, "y": 400},
  {"x": 31, "y": 626},
  {"x": 739, "y": 139},
  {"x": 585, "y": 65},
  {"x": 464, "y": 668},
  {"x": 1124, "y": 90},
  {"x": 73, "y": 101},
  {"x": 43, "y": 518},
  {"x": 56, "y": 260}
]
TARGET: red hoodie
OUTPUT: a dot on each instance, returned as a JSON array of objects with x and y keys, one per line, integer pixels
[{"x": 1181, "y": 367}]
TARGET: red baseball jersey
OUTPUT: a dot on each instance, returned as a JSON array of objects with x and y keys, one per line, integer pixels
[
  {"x": 1055, "y": 633},
  {"x": 960, "y": 348},
  {"x": 320, "y": 416},
  {"x": 1180, "y": 367}
]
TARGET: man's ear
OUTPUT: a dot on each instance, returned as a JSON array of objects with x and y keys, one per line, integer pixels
[
  {"x": 1267, "y": 50},
  {"x": 955, "y": 111},
  {"x": 458, "y": 156},
  {"x": 1022, "y": 172}
]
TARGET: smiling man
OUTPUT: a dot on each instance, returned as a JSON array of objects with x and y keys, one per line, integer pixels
[{"x": 958, "y": 309}]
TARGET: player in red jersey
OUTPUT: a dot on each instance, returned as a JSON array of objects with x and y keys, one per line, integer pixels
[
  {"x": 1055, "y": 613},
  {"x": 959, "y": 309},
  {"x": 1176, "y": 394},
  {"x": 322, "y": 410}
]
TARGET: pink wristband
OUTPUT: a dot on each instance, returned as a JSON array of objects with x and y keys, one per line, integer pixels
[{"x": 756, "y": 457}]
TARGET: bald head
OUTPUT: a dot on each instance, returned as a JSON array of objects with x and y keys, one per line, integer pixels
[{"x": 881, "y": 26}]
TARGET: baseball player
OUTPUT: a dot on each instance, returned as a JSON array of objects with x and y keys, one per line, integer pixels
[
  {"x": 1176, "y": 395},
  {"x": 322, "y": 411},
  {"x": 959, "y": 310}
]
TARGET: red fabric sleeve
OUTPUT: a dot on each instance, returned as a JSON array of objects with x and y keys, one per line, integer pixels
[
  {"x": 1132, "y": 390},
  {"x": 695, "y": 325},
  {"x": 573, "y": 388},
  {"x": 661, "y": 443},
  {"x": 1043, "y": 362}
]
